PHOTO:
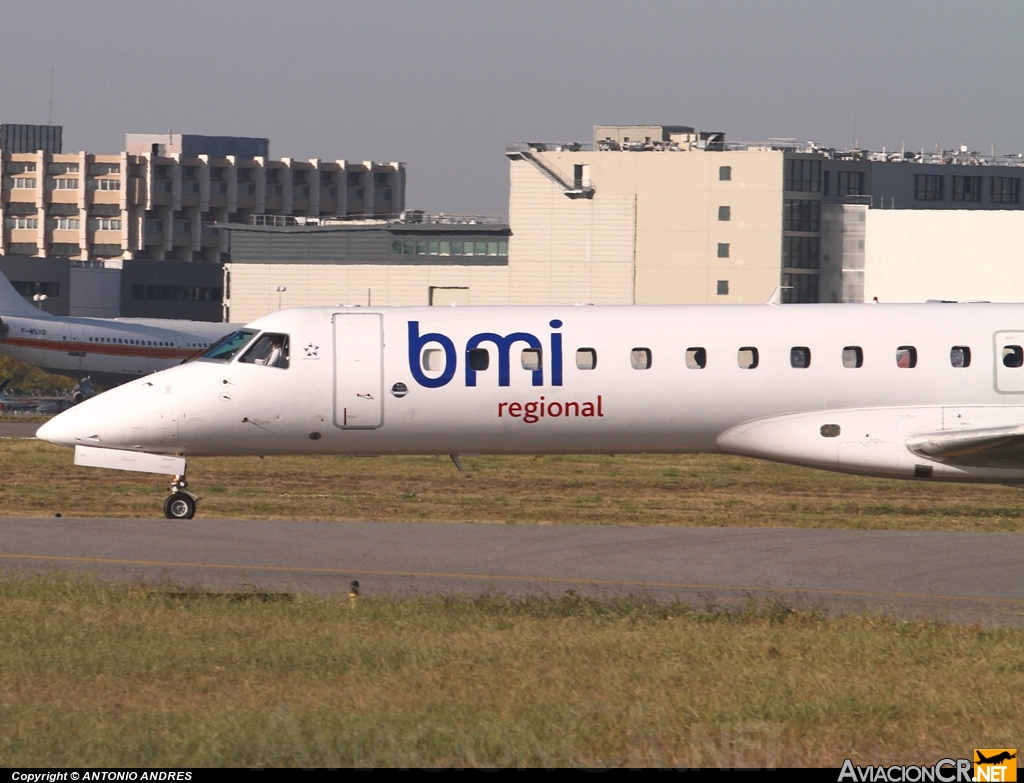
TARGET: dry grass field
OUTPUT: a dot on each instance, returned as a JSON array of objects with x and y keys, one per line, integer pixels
[
  {"x": 96, "y": 675},
  {"x": 38, "y": 479}
]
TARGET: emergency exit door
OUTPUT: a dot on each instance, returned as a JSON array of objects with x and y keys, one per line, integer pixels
[{"x": 358, "y": 370}]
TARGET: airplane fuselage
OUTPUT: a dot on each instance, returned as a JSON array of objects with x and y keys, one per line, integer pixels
[
  {"x": 841, "y": 387},
  {"x": 111, "y": 351}
]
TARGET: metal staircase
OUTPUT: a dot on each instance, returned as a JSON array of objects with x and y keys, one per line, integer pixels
[{"x": 571, "y": 187}]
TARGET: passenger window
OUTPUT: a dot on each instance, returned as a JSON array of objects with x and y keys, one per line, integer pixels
[
  {"x": 640, "y": 358},
  {"x": 747, "y": 358},
  {"x": 531, "y": 359},
  {"x": 479, "y": 359},
  {"x": 270, "y": 350},
  {"x": 960, "y": 356},
  {"x": 853, "y": 356},
  {"x": 906, "y": 357},
  {"x": 800, "y": 357},
  {"x": 696, "y": 358},
  {"x": 433, "y": 360},
  {"x": 586, "y": 359},
  {"x": 1013, "y": 356}
]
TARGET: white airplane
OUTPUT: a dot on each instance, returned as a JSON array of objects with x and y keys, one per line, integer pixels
[
  {"x": 933, "y": 392},
  {"x": 108, "y": 350}
]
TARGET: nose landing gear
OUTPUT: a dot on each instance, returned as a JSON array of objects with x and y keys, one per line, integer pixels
[{"x": 180, "y": 504}]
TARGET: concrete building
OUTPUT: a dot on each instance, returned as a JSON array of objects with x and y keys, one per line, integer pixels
[
  {"x": 160, "y": 197},
  {"x": 917, "y": 255},
  {"x": 665, "y": 214},
  {"x": 138, "y": 289},
  {"x": 417, "y": 260}
]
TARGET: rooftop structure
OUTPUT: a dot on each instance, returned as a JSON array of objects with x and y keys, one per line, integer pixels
[
  {"x": 192, "y": 146},
  {"x": 30, "y": 138}
]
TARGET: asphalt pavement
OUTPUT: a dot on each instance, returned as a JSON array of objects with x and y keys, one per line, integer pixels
[{"x": 960, "y": 577}]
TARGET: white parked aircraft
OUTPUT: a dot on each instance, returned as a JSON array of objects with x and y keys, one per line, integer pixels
[
  {"x": 109, "y": 350},
  {"x": 931, "y": 392}
]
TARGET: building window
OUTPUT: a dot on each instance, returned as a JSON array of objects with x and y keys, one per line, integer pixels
[
  {"x": 62, "y": 168},
  {"x": 106, "y": 251},
  {"x": 928, "y": 187},
  {"x": 178, "y": 293},
  {"x": 21, "y": 208},
  {"x": 800, "y": 252},
  {"x": 161, "y": 171},
  {"x": 101, "y": 169},
  {"x": 109, "y": 184},
  {"x": 272, "y": 175},
  {"x": 723, "y": 288},
  {"x": 21, "y": 222},
  {"x": 1005, "y": 190},
  {"x": 352, "y": 178},
  {"x": 110, "y": 210},
  {"x": 966, "y": 188},
  {"x": 799, "y": 289},
  {"x": 64, "y": 224},
  {"x": 31, "y": 288},
  {"x": 65, "y": 249},
  {"x": 25, "y": 182},
  {"x": 803, "y": 174},
  {"x": 801, "y": 215},
  {"x": 104, "y": 224},
  {"x": 448, "y": 248},
  {"x": 723, "y": 249},
  {"x": 19, "y": 166},
  {"x": 63, "y": 184},
  {"x": 216, "y": 173},
  {"x": 724, "y": 213},
  {"x": 380, "y": 180},
  {"x": 725, "y": 173},
  {"x": 849, "y": 183},
  {"x": 154, "y": 225}
]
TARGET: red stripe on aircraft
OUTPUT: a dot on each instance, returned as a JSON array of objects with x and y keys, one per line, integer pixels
[{"x": 107, "y": 349}]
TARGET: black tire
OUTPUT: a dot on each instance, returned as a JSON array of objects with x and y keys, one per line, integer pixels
[{"x": 179, "y": 506}]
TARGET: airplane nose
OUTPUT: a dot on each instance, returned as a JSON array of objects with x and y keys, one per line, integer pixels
[{"x": 60, "y": 429}]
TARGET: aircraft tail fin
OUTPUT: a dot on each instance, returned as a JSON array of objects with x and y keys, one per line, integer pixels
[{"x": 12, "y": 303}]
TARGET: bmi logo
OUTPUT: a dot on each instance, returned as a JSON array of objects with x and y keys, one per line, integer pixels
[{"x": 995, "y": 764}]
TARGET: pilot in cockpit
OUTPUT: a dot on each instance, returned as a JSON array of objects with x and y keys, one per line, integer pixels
[{"x": 270, "y": 350}]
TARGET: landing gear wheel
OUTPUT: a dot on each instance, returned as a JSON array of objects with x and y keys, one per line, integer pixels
[{"x": 179, "y": 505}]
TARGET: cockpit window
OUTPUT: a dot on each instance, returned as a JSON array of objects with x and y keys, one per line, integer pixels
[
  {"x": 226, "y": 347},
  {"x": 270, "y": 350}
]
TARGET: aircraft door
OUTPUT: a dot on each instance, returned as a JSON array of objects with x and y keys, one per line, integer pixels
[
  {"x": 358, "y": 370},
  {"x": 1009, "y": 361}
]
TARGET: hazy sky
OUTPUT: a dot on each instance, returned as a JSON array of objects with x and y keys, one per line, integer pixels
[{"x": 444, "y": 85}]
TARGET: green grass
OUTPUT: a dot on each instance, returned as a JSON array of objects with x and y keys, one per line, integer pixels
[
  {"x": 100, "y": 675},
  {"x": 39, "y": 479}
]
